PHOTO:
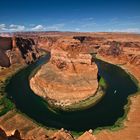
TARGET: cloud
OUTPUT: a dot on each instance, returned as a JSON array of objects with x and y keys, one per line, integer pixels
[
  {"x": 129, "y": 30},
  {"x": 2, "y": 27},
  {"x": 55, "y": 27},
  {"x": 38, "y": 28},
  {"x": 14, "y": 27},
  {"x": 31, "y": 27}
]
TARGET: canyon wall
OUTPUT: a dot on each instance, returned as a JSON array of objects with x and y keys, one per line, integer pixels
[
  {"x": 46, "y": 43},
  {"x": 70, "y": 55},
  {"x": 115, "y": 48},
  {"x": 86, "y": 44},
  {"x": 5, "y": 43},
  {"x": 17, "y": 50},
  {"x": 123, "y": 52}
]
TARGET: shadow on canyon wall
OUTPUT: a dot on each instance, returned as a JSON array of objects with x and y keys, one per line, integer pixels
[{"x": 17, "y": 50}]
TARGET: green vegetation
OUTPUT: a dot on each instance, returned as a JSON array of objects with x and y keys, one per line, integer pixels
[
  {"x": 5, "y": 105},
  {"x": 102, "y": 82},
  {"x": 119, "y": 123},
  {"x": 5, "y": 74}
]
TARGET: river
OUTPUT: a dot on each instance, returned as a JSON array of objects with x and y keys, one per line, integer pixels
[{"x": 104, "y": 113}]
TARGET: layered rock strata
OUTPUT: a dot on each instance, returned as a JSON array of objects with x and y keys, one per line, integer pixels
[
  {"x": 69, "y": 77},
  {"x": 17, "y": 50},
  {"x": 124, "y": 53}
]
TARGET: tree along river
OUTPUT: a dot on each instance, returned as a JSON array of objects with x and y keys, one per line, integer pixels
[{"x": 104, "y": 113}]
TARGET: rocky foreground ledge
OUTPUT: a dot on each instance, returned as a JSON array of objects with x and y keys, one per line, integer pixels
[
  {"x": 70, "y": 76},
  {"x": 59, "y": 135}
]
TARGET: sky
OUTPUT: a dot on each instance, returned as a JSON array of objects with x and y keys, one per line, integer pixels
[{"x": 70, "y": 15}]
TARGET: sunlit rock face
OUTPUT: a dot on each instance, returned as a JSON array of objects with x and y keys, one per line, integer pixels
[
  {"x": 87, "y": 136},
  {"x": 87, "y": 44},
  {"x": 46, "y": 43},
  {"x": 123, "y": 52},
  {"x": 69, "y": 77},
  {"x": 62, "y": 135}
]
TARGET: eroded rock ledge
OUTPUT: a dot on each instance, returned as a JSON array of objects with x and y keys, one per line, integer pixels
[
  {"x": 59, "y": 135},
  {"x": 69, "y": 77}
]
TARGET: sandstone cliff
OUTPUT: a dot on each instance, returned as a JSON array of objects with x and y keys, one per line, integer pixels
[
  {"x": 87, "y": 44},
  {"x": 59, "y": 135},
  {"x": 124, "y": 52},
  {"x": 17, "y": 50},
  {"x": 46, "y": 43},
  {"x": 69, "y": 77}
]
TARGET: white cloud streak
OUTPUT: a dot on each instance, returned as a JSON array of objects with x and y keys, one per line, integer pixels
[
  {"x": 55, "y": 27},
  {"x": 11, "y": 28},
  {"x": 87, "y": 24},
  {"x": 129, "y": 30},
  {"x": 2, "y": 27},
  {"x": 14, "y": 27},
  {"x": 38, "y": 28}
]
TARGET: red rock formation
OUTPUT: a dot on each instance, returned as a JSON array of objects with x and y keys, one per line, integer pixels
[
  {"x": 4, "y": 60},
  {"x": 5, "y": 43},
  {"x": 17, "y": 50},
  {"x": 46, "y": 43},
  {"x": 27, "y": 49},
  {"x": 87, "y": 136},
  {"x": 14, "y": 136},
  {"x": 123, "y": 52},
  {"x": 59, "y": 135},
  {"x": 72, "y": 44},
  {"x": 87, "y": 45},
  {"x": 62, "y": 135},
  {"x": 65, "y": 80}
]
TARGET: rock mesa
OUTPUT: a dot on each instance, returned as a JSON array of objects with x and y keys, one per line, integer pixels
[{"x": 69, "y": 77}]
